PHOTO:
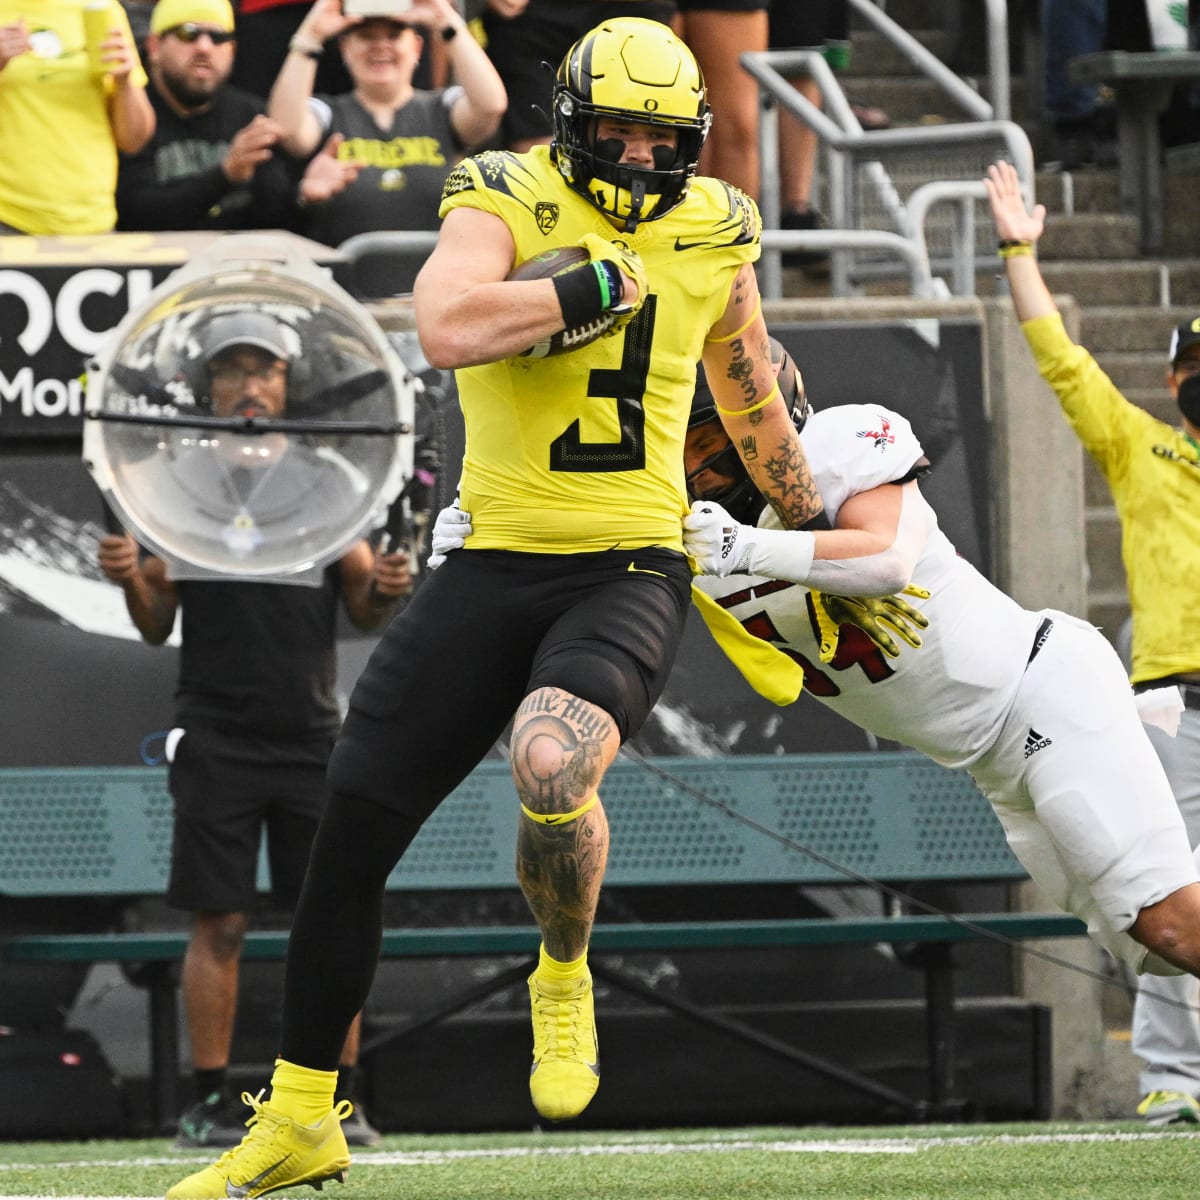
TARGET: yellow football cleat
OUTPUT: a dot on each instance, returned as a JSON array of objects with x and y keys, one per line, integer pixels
[
  {"x": 276, "y": 1153},
  {"x": 566, "y": 1059}
]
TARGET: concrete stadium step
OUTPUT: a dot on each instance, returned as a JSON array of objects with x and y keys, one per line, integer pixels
[
  {"x": 1121, "y": 282},
  {"x": 1091, "y": 236},
  {"x": 872, "y": 54},
  {"x": 1157, "y": 283},
  {"x": 1134, "y": 371},
  {"x": 1073, "y": 192},
  {"x": 1126, "y": 328}
]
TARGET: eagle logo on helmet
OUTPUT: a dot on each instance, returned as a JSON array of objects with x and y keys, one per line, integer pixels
[{"x": 634, "y": 70}]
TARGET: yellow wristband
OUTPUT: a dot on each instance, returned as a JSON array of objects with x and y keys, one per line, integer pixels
[
  {"x": 1014, "y": 249},
  {"x": 742, "y": 412},
  {"x": 729, "y": 337}
]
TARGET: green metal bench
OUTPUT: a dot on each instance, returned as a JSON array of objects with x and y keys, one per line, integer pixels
[{"x": 887, "y": 816}]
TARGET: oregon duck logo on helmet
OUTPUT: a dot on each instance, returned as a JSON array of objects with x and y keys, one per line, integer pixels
[{"x": 633, "y": 70}]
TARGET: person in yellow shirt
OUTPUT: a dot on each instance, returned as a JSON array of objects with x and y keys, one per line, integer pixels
[
  {"x": 66, "y": 114},
  {"x": 565, "y": 609},
  {"x": 1153, "y": 471}
]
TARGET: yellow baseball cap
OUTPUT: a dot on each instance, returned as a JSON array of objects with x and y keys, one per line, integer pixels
[{"x": 167, "y": 14}]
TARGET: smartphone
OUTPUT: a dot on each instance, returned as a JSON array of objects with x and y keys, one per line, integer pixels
[{"x": 376, "y": 8}]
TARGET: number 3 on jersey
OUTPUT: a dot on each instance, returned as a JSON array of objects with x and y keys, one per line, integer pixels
[{"x": 627, "y": 386}]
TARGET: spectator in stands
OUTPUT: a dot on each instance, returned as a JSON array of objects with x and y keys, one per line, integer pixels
[
  {"x": 213, "y": 161},
  {"x": 255, "y": 722},
  {"x": 822, "y": 24},
  {"x": 1153, "y": 470},
  {"x": 406, "y": 140},
  {"x": 1080, "y": 132},
  {"x": 64, "y": 121},
  {"x": 718, "y": 32},
  {"x": 526, "y": 39}
]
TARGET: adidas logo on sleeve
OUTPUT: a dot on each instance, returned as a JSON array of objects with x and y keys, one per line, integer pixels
[{"x": 1035, "y": 742}]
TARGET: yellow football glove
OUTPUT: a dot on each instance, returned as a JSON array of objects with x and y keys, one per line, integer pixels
[
  {"x": 871, "y": 614},
  {"x": 627, "y": 262}
]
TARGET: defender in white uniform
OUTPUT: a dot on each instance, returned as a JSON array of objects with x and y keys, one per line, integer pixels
[{"x": 1035, "y": 705}]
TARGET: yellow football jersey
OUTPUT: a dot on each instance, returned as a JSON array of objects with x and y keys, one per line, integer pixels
[
  {"x": 1153, "y": 472},
  {"x": 584, "y": 451}
]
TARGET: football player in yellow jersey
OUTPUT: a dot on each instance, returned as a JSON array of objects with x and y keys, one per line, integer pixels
[
  {"x": 1153, "y": 471},
  {"x": 564, "y": 612}
]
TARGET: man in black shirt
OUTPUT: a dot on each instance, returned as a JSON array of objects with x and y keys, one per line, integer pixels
[
  {"x": 213, "y": 162},
  {"x": 255, "y": 715}
]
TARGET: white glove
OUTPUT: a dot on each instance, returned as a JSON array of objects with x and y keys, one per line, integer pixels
[
  {"x": 451, "y": 529},
  {"x": 719, "y": 544},
  {"x": 722, "y": 546}
]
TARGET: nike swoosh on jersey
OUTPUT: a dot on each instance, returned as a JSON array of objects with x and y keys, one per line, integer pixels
[
  {"x": 645, "y": 571},
  {"x": 236, "y": 1190},
  {"x": 704, "y": 245}
]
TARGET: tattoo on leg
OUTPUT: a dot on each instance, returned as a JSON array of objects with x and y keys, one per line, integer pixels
[
  {"x": 560, "y": 869},
  {"x": 558, "y": 758}
]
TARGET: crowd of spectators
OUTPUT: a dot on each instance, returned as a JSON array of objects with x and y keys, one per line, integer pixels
[{"x": 334, "y": 126}]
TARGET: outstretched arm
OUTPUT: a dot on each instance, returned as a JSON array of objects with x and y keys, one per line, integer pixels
[
  {"x": 880, "y": 535},
  {"x": 1020, "y": 229}
]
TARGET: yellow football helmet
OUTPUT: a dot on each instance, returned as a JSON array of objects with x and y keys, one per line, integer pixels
[{"x": 638, "y": 71}]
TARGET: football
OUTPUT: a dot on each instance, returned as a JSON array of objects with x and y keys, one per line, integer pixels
[{"x": 555, "y": 261}]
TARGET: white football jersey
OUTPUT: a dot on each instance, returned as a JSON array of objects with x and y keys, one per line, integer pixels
[{"x": 948, "y": 698}]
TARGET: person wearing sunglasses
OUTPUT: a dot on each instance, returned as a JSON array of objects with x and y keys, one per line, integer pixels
[
  {"x": 214, "y": 161},
  {"x": 407, "y": 139}
]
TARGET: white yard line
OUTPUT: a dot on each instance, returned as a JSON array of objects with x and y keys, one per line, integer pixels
[{"x": 415, "y": 1158}]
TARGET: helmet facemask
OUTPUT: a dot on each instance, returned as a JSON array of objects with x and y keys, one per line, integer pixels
[{"x": 631, "y": 71}]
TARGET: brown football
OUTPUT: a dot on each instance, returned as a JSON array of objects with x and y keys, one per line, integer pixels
[{"x": 554, "y": 261}]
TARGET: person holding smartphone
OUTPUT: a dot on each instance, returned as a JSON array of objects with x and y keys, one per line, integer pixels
[{"x": 405, "y": 140}]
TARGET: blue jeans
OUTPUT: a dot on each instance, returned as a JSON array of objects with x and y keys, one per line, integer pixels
[{"x": 1069, "y": 28}]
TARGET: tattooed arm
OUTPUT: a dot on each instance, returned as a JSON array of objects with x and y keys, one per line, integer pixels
[{"x": 737, "y": 364}]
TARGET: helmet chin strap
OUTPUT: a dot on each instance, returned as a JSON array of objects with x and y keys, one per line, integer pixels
[{"x": 637, "y": 198}]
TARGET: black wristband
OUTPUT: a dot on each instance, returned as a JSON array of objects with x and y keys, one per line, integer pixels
[{"x": 581, "y": 295}]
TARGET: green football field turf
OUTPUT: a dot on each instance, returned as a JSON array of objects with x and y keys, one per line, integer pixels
[{"x": 1114, "y": 1161}]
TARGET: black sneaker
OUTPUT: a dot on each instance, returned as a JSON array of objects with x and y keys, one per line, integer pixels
[
  {"x": 216, "y": 1120},
  {"x": 358, "y": 1130},
  {"x": 809, "y": 219}
]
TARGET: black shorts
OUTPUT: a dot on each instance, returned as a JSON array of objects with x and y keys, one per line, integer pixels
[
  {"x": 487, "y": 628},
  {"x": 226, "y": 791},
  {"x": 543, "y": 33}
]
